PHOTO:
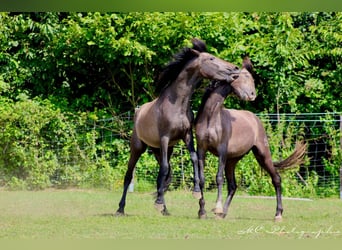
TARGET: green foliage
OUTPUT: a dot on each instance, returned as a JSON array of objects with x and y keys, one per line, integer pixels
[
  {"x": 42, "y": 148},
  {"x": 63, "y": 72},
  {"x": 26, "y": 153},
  {"x": 86, "y": 61}
]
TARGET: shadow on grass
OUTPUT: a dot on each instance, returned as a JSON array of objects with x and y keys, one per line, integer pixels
[{"x": 210, "y": 217}]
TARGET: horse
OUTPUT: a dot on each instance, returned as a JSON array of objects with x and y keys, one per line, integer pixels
[
  {"x": 161, "y": 123},
  {"x": 230, "y": 134}
]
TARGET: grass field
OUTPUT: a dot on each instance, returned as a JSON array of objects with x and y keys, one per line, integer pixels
[{"x": 88, "y": 214}]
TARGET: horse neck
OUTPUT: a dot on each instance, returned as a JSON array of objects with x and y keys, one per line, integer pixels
[
  {"x": 181, "y": 90},
  {"x": 215, "y": 99}
]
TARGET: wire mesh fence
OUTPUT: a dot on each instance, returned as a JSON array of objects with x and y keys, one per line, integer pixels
[
  {"x": 321, "y": 131},
  {"x": 84, "y": 151}
]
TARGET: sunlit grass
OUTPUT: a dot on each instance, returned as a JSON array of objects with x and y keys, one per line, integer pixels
[{"x": 80, "y": 214}]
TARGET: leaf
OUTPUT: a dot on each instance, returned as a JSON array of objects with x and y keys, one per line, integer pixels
[{"x": 90, "y": 43}]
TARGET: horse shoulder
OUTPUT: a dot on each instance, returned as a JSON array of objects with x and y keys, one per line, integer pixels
[
  {"x": 208, "y": 129},
  {"x": 216, "y": 133}
]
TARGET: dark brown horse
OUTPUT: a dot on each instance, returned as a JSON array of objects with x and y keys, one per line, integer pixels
[
  {"x": 231, "y": 134},
  {"x": 161, "y": 123}
]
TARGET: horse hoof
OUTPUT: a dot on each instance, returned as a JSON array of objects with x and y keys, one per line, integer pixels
[
  {"x": 219, "y": 216},
  {"x": 217, "y": 210},
  {"x": 119, "y": 214},
  {"x": 202, "y": 216},
  {"x": 165, "y": 213},
  {"x": 197, "y": 195},
  {"x": 159, "y": 207},
  {"x": 278, "y": 218}
]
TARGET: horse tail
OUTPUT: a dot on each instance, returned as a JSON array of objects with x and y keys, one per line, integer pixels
[{"x": 295, "y": 159}]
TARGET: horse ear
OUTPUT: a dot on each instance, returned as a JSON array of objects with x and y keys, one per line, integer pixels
[
  {"x": 199, "y": 45},
  {"x": 247, "y": 64},
  {"x": 195, "y": 52}
]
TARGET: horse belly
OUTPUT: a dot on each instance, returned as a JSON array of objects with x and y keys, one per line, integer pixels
[
  {"x": 240, "y": 144},
  {"x": 148, "y": 129},
  {"x": 238, "y": 150},
  {"x": 149, "y": 136},
  {"x": 243, "y": 132}
]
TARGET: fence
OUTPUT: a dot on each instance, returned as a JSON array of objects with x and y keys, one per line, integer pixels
[{"x": 321, "y": 131}]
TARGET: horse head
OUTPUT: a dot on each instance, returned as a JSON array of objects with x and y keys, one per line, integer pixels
[
  {"x": 214, "y": 68},
  {"x": 244, "y": 86}
]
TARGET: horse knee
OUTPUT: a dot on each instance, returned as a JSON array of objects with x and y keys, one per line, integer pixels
[
  {"x": 194, "y": 157},
  {"x": 232, "y": 187},
  {"x": 164, "y": 169},
  {"x": 219, "y": 179}
]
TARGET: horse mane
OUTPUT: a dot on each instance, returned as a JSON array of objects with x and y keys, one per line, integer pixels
[{"x": 173, "y": 68}]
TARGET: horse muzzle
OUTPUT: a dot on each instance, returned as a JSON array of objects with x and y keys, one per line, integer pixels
[{"x": 245, "y": 96}]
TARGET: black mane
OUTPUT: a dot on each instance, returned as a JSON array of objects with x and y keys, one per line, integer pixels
[{"x": 173, "y": 68}]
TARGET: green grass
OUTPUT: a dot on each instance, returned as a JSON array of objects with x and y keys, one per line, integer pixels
[{"x": 88, "y": 214}]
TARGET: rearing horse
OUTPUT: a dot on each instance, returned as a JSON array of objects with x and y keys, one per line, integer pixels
[
  {"x": 230, "y": 135},
  {"x": 161, "y": 123}
]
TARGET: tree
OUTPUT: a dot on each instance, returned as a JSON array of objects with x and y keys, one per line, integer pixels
[{"x": 108, "y": 61}]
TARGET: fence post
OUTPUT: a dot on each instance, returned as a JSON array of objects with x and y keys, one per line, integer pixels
[
  {"x": 341, "y": 183},
  {"x": 341, "y": 163}
]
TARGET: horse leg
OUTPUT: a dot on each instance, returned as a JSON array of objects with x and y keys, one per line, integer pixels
[
  {"x": 137, "y": 148},
  {"x": 156, "y": 152},
  {"x": 169, "y": 174},
  {"x": 202, "y": 214},
  {"x": 231, "y": 183},
  {"x": 189, "y": 142},
  {"x": 162, "y": 176},
  {"x": 265, "y": 161},
  {"x": 219, "y": 181}
]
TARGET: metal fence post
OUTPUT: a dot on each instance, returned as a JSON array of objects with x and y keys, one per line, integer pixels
[
  {"x": 341, "y": 183},
  {"x": 341, "y": 149}
]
